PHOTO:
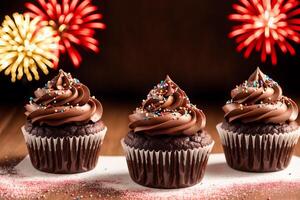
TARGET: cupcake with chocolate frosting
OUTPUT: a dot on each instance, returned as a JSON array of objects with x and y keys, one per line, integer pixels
[
  {"x": 259, "y": 131},
  {"x": 63, "y": 129},
  {"x": 167, "y": 146}
]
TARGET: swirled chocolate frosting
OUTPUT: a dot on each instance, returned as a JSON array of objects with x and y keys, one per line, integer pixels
[
  {"x": 167, "y": 110},
  {"x": 260, "y": 99},
  {"x": 63, "y": 100}
]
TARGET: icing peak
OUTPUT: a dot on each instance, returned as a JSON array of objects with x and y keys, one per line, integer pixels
[
  {"x": 63, "y": 100},
  {"x": 260, "y": 99},
  {"x": 167, "y": 110}
]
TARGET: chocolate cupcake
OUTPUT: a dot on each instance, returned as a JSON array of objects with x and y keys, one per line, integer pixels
[
  {"x": 167, "y": 146},
  {"x": 63, "y": 130},
  {"x": 259, "y": 131}
]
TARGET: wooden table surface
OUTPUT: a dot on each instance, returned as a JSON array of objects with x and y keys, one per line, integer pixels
[{"x": 13, "y": 148}]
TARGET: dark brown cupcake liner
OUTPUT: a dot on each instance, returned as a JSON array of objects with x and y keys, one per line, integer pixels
[
  {"x": 258, "y": 153},
  {"x": 64, "y": 155},
  {"x": 167, "y": 169}
]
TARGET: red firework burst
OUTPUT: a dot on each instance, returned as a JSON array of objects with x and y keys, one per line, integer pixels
[
  {"x": 266, "y": 25},
  {"x": 75, "y": 22}
]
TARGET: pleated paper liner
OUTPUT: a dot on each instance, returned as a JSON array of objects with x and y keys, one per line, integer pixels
[
  {"x": 64, "y": 154},
  {"x": 258, "y": 153},
  {"x": 167, "y": 169}
]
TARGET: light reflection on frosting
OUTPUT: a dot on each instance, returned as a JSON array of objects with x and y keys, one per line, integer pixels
[
  {"x": 167, "y": 110},
  {"x": 260, "y": 99},
  {"x": 63, "y": 100}
]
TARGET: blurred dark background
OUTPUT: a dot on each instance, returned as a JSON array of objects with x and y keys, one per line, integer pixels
[{"x": 145, "y": 40}]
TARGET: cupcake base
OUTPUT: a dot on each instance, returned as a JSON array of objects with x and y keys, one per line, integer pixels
[
  {"x": 167, "y": 169},
  {"x": 64, "y": 155},
  {"x": 258, "y": 153}
]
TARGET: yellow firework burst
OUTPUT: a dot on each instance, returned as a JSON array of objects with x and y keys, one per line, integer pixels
[{"x": 26, "y": 47}]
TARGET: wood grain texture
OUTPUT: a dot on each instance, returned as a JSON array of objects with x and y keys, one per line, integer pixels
[
  {"x": 12, "y": 144},
  {"x": 13, "y": 148}
]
